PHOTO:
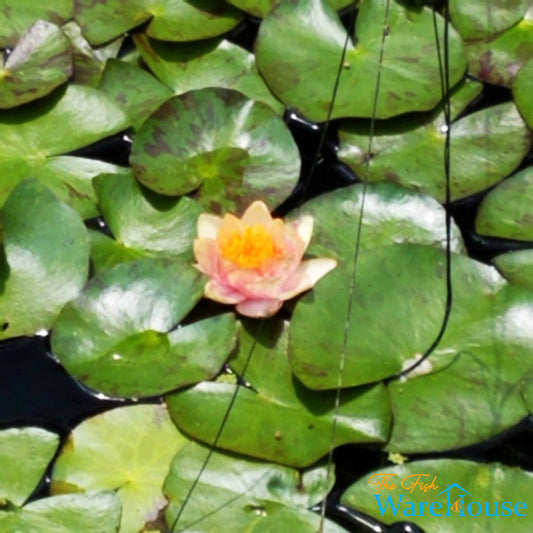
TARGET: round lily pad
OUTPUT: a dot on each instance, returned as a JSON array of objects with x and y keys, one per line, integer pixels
[
  {"x": 214, "y": 140},
  {"x": 486, "y": 146},
  {"x": 41, "y": 269},
  {"x": 522, "y": 90},
  {"x": 517, "y": 267},
  {"x": 106, "y": 252},
  {"x": 506, "y": 211},
  {"x": 277, "y": 419},
  {"x": 212, "y": 63},
  {"x": 127, "y": 450},
  {"x": 260, "y": 8},
  {"x": 250, "y": 495},
  {"x": 119, "y": 335},
  {"x": 455, "y": 500},
  {"x": 305, "y": 82},
  {"x": 41, "y": 61}
]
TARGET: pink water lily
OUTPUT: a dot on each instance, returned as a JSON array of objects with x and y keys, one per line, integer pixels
[{"x": 256, "y": 262}]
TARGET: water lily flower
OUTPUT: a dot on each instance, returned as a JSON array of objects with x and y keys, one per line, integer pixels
[{"x": 256, "y": 262}]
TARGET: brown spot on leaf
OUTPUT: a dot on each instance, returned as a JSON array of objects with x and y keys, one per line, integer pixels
[{"x": 160, "y": 146}]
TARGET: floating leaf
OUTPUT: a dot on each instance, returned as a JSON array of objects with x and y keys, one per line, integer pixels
[
  {"x": 42, "y": 270},
  {"x": 277, "y": 419},
  {"x": 215, "y": 63},
  {"x": 116, "y": 336},
  {"x": 506, "y": 211},
  {"x": 171, "y": 20},
  {"x": 214, "y": 140},
  {"x": 249, "y": 495},
  {"x": 126, "y": 450},
  {"x": 408, "y": 71},
  {"x": 24, "y": 456},
  {"x": 517, "y": 267},
  {"x": 522, "y": 90},
  {"x": 486, "y": 146},
  {"x": 493, "y": 482},
  {"x": 41, "y": 61},
  {"x": 106, "y": 252}
]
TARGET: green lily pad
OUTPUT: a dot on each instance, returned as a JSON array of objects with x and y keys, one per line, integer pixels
[
  {"x": 517, "y": 267},
  {"x": 119, "y": 335},
  {"x": 170, "y": 20},
  {"x": 41, "y": 61},
  {"x": 465, "y": 482},
  {"x": 486, "y": 146},
  {"x": 16, "y": 16},
  {"x": 126, "y": 450},
  {"x": 479, "y": 19},
  {"x": 277, "y": 419},
  {"x": 24, "y": 456},
  {"x": 213, "y": 140},
  {"x": 94, "y": 512},
  {"x": 106, "y": 252},
  {"x": 506, "y": 211},
  {"x": 42, "y": 269},
  {"x": 305, "y": 81},
  {"x": 498, "y": 60},
  {"x": 522, "y": 90},
  {"x": 215, "y": 63},
  {"x": 260, "y": 8},
  {"x": 134, "y": 90}
]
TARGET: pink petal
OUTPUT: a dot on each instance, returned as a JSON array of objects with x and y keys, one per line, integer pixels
[
  {"x": 257, "y": 213},
  {"x": 303, "y": 226},
  {"x": 259, "y": 308},
  {"x": 306, "y": 276},
  {"x": 208, "y": 226},
  {"x": 221, "y": 293},
  {"x": 205, "y": 253}
]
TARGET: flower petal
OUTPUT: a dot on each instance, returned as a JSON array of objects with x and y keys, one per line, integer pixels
[
  {"x": 257, "y": 213},
  {"x": 206, "y": 256},
  {"x": 303, "y": 226},
  {"x": 306, "y": 276},
  {"x": 221, "y": 293},
  {"x": 259, "y": 308},
  {"x": 208, "y": 226}
]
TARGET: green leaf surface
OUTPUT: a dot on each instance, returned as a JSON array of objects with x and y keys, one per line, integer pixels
[
  {"x": 40, "y": 270},
  {"x": 106, "y": 252},
  {"x": 214, "y": 140},
  {"x": 250, "y": 495},
  {"x": 171, "y": 20},
  {"x": 214, "y": 63},
  {"x": 24, "y": 456},
  {"x": 41, "y": 61},
  {"x": 260, "y": 8},
  {"x": 517, "y": 267},
  {"x": 145, "y": 221},
  {"x": 506, "y": 210},
  {"x": 491, "y": 482},
  {"x": 127, "y": 450},
  {"x": 305, "y": 82},
  {"x": 94, "y": 512},
  {"x": 486, "y": 146},
  {"x": 16, "y": 16},
  {"x": 277, "y": 419},
  {"x": 522, "y": 90},
  {"x": 134, "y": 90}
]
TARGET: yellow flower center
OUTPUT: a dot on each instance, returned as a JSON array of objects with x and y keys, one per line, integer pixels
[{"x": 251, "y": 248}]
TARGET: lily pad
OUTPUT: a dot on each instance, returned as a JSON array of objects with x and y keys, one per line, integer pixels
[
  {"x": 468, "y": 483},
  {"x": 250, "y": 495},
  {"x": 214, "y": 63},
  {"x": 517, "y": 267},
  {"x": 214, "y": 140},
  {"x": 305, "y": 82},
  {"x": 126, "y": 450},
  {"x": 41, "y": 270},
  {"x": 522, "y": 90},
  {"x": 171, "y": 20},
  {"x": 41, "y": 61},
  {"x": 260, "y": 8},
  {"x": 119, "y": 335},
  {"x": 24, "y": 456},
  {"x": 506, "y": 211},
  {"x": 486, "y": 146},
  {"x": 277, "y": 419},
  {"x": 106, "y": 252}
]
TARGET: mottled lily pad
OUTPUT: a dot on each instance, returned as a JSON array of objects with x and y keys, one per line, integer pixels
[
  {"x": 277, "y": 419},
  {"x": 507, "y": 210},
  {"x": 214, "y": 63},
  {"x": 127, "y": 450},
  {"x": 141, "y": 353},
  {"x": 517, "y": 267},
  {"x": 250, "y": 495},
  {"x": 468, "y": 483},
  {"x": 305, "y": 82},
  {"x": 232, "y": 149},
  {"x": 41, "y": 61},
  {"x": 486, "y": 146},
  {"x": 42, "y": 269},
  {"x": 171, "y": 20},
  {"x": 260, "y": 8},
  {"x": 522, "y": 91}
]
